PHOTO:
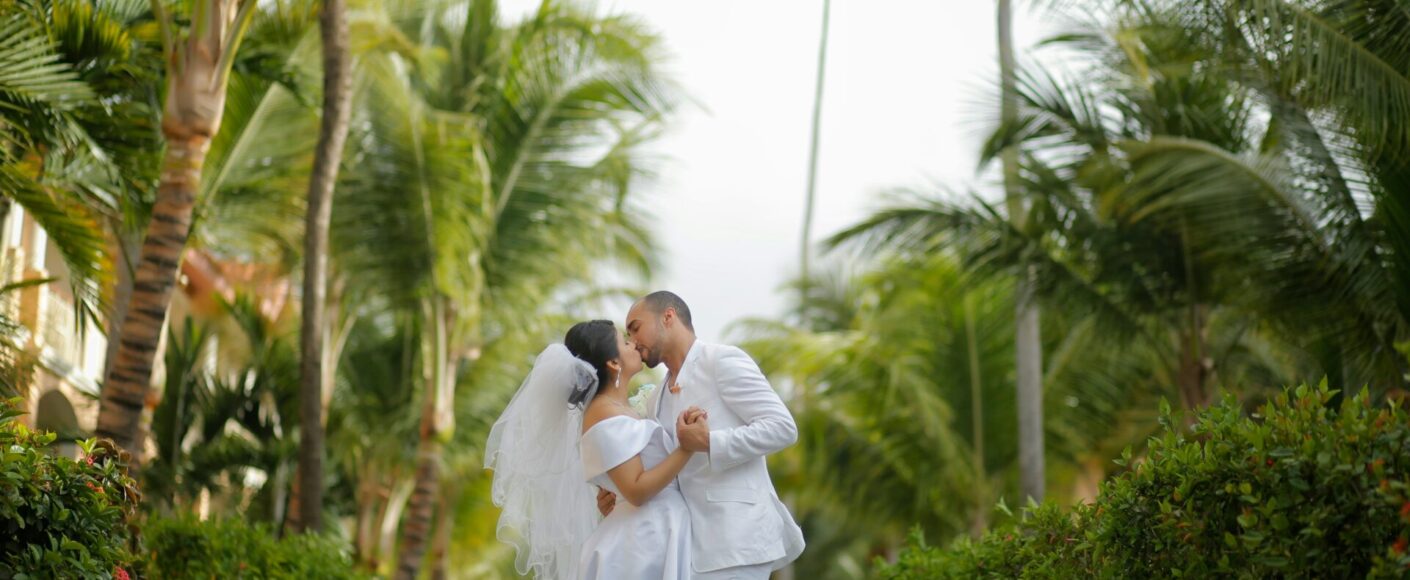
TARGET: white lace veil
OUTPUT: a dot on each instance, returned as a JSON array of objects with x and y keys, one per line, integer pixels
[{"x": 549, "y": 508}]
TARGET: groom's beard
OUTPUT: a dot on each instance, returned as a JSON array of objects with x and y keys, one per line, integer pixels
[{"x": 651, "y": 358}]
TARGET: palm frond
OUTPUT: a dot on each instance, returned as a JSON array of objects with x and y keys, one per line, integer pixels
[
  {"x": 1350, "y": 56},
  {"x": 75, "y": 232}
]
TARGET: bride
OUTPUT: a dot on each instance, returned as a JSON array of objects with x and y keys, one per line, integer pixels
[{"x": 568, "y": 430}]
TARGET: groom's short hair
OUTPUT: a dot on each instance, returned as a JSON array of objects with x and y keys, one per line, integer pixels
[{"x": 660, "y": 300}]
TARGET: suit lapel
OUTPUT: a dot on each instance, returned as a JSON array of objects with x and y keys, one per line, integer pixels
[
  {"x": 687, "y": 371},
  {"x": 653, "y": 402},
  {"x": 694, "y": 376}
]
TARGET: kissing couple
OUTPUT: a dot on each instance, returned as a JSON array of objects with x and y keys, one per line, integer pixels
[{"x": 592, "y": 490}]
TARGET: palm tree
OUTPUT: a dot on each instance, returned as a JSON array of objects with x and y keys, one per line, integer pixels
[
  {"x": 1093, "y": 238},
  {"x": 337, "y": 97},
  {"x": 806, "y": 249},
  {"x": 890, "y": 434},
  {"x": 371, "y": 435},
  {"x": 1317, "y": 210},
  {"x": 199, "y": 61},
  {"x": 219, "y": 425},
  {"x": 1027, "y": 333},
  {"x": 67, "y": 115},
  {"x": 484, "y": 182}
]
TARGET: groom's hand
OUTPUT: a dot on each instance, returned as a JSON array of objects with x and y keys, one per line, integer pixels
[
  {"x": 605, "y": 501},
  {"x": 693, "y": 430}
]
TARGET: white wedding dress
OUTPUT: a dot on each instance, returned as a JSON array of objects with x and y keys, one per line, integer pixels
[{"x": 651, "y": 542}]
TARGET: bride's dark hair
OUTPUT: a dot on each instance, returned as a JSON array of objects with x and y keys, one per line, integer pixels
[{"x": 594, "y": 341}]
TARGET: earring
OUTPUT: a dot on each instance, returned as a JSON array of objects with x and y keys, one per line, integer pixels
[{"x": 618, "y": 381}]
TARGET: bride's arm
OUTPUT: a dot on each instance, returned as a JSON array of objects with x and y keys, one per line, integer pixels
[{"x": 638, "y": 484}]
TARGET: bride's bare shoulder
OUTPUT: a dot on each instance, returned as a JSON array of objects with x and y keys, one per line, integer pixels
[{"x": 600, "y": 410}]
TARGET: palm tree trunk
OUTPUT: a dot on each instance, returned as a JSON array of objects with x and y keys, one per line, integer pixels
[
  {"x": 401, "y": 491},
  {"x": 416, "y": 530},
  {"x": 1027, "y": 334},
  {"x": 331, "y": 137},
  {"x": 197, "y": 75},
  {"x": 805, "y": 251},
  {"x": 445, "y": 523},
  {"x": 1192, "y": 374},
  {"x": 294, "y": 522},
  {"x": 129, "y": 378},
  {"x": 436, "y": 423},
  {"x": 128, "y": 244}
]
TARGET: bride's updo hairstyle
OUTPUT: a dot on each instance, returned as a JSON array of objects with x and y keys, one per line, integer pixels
[{"x": 595, "y": 342}]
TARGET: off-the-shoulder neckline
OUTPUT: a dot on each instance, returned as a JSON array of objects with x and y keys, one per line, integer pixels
[{"x": 599, "y": 423}]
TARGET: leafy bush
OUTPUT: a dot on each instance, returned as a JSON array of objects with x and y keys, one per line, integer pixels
[
  {"x": 60, "y": 517},
  {"x": 187, "y": 548},
  {"x": 1297, "y": 489}
]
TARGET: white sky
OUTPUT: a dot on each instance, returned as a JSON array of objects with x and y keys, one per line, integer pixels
[{"x": 907, "y": 104}]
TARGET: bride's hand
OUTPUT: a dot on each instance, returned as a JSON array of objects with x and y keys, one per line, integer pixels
[
  {"x": 693, "y": 414},
  {"x": 693, "y": 430}
]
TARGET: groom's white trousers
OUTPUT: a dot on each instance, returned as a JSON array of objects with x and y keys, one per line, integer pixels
[{"x": 755, "y": 572}]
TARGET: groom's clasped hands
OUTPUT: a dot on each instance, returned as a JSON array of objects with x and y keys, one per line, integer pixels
[{"x": 693, "y": 430}]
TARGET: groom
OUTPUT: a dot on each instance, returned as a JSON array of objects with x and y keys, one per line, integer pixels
[{"x": 740, "y": 529}]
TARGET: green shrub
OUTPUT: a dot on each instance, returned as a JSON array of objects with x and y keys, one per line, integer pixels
[
  {"x": 60, "y": 517},
  {"x": 1297, "y": 489},
  {"x": 187, "y": 548}
]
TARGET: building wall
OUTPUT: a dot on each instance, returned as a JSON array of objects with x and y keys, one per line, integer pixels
[{"x": 67, "y": 359}]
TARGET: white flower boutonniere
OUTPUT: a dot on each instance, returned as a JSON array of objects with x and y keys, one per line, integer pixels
[{"x": 638, "y": 401}]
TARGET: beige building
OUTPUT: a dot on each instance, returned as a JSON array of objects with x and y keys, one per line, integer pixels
[{"x": 61, "y": 362}]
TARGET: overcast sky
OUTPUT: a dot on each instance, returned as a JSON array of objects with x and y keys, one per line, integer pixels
[{"x": 908, "y": 100}]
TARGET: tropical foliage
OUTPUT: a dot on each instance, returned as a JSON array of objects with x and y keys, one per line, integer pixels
[
  {"x": 1208, "y": 208},
  {"x": 488, "y": 179},
  {"x": 1205, "y": 201},
  {"x": 1301, "y": 487},
  {"x": 187, "y": 548},
  {"x": 62, "y": 517}
]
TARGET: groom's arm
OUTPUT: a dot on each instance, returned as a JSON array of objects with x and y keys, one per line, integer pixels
[{"x": 768, "y": 426}]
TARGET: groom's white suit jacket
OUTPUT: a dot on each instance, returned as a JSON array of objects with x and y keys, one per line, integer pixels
[{"x": 736, "y": 516}]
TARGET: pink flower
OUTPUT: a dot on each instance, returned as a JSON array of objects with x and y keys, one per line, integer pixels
[{"x": 120, "y": 574}]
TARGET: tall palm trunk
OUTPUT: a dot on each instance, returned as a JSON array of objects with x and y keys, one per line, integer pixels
[
  {"x": 1192, "y": 374},
  {"x": 416, "y": 529},
  {"x": 437, "y": 421},
  {"x": 805, "y": 251},
  {"x": 445, "y": 524},
  {"x": 197, "y": 73},
  {"x": 127, "y": 245},
  {"x": 332, "y": 134},
  {"x": 395, "y": 506},
  {"x": 1027, "y": 333}
]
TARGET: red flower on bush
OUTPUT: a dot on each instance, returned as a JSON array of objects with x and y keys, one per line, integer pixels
[
  {"x": 120, "y": 574},
  {"x": 1405, "y": 511},
  {"x": 1399, "y": 547}
]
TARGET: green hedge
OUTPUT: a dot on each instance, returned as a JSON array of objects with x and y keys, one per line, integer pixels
[
  {"x": 66, "y": 518},
  {"x": 60, "y": 517},
  {"x": 187, "y": 548},
  {"x": 1297, "y": 489}
]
